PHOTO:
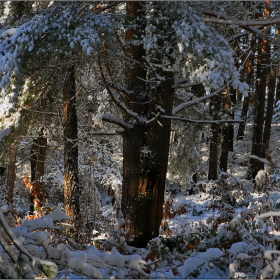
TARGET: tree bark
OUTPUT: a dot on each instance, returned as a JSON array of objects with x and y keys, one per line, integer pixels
[
  {"x": 263, "y": 61},
  {"x": 72, "y": 190},
  {"x": 269, "y": 111},
  {"x": 215, "y": 107},
  {"x": 38, "y": 156},
  {"x": 145, "y": 148},
  {"x": 249, "y": 78},
  {"x": 11, "y": 175},
  {"x": 226, "y": 131},
  {"x": 38, "y": 153},
  {"x": 232, "y": 102}
]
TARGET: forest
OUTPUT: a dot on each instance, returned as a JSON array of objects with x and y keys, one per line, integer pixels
[{"x": 139, "y": 139}]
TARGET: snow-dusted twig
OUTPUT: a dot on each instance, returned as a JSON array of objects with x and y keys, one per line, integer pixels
[
  {"x": 196, "y": 100},
  {"x": 117, "y": 121},
  {"x": 47, "y": 267},
  {"x": 258, "y": 158},
  {"x": 117, "y": 100},
  {"x": 120, "y": 88},
  {"x": 159, "y": 78},
  {"x": 201, "y": 121},
  {"x": 238, "y": 35}
]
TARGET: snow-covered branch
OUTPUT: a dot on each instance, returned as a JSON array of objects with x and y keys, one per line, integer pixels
[
  {"x": 200, "y": 121},
  {"x": 120, "y": 88},
  {"x": 117, "y": 121},
  {"x": 183, "y": 81},
  {"x": 247, "y": 25},
  {"x": 116, "y": 97},
  {"x": 195, "y": 101},
  {"x": 238, "y": 35},
  {"x": 258, "y": 158}
]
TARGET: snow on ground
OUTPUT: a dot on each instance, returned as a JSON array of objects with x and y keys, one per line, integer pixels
[{"x": 216, "y": 233}]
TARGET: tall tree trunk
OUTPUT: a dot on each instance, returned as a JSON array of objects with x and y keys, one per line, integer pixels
[
  {"x": 277, "y": 90},
  {"x": 263, "y": 61},
  {"x": 11, "y": 175},
  {"x": 232, "y": 102},
  {"x": 145, "y": 148},
  {"x": 241, "y": 129},
  {"x": 269, "y": 111},
  {"x": 249, "y": 78},
  {"x": 214, "y": 142},
  {"x": 71, "y": 180},
  {"x": 226, "y": 131},
  {"x": 38, "y": 156},
  {"x": 37, "y": 162}
]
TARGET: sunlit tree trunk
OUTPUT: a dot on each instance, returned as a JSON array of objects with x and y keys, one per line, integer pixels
[
  {"x": 145, "y": 148},
  {"x": 71, "y": 180}
]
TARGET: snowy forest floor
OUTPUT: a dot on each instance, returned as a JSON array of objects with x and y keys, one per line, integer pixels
[{"x": 213, "y": 233}]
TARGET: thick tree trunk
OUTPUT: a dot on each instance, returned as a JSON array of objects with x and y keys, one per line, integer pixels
[
  {"x": 11, "y": 175},
  {"x": 71, "y": 180},
  {"x": 214, "y": 142},
  {"x": 145, "y": 148}
]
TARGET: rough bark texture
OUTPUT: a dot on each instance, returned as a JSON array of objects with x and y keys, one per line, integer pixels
[
  {"x": 71, "y": 180},
  {"x": 214, "y": 142},
  {"x": 11, "y": 175},
  {"x": 145, "y": 148}
]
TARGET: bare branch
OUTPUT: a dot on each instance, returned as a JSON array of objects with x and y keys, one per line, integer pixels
[
  {"x": 102, "y": 9},
  {"x": 201, "y": 121},
  {"x": 107, "y": 133},
  {"x": 117, "y": 121},
  {"x": 197, "y": 100},
  {"x": 40, "y": 112},
  {"x": 120, "y": 88},
  {"x": 246, "y": 25},
  {"x": 117, "y": 97},
  {"x": 238, "y": 35}
]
